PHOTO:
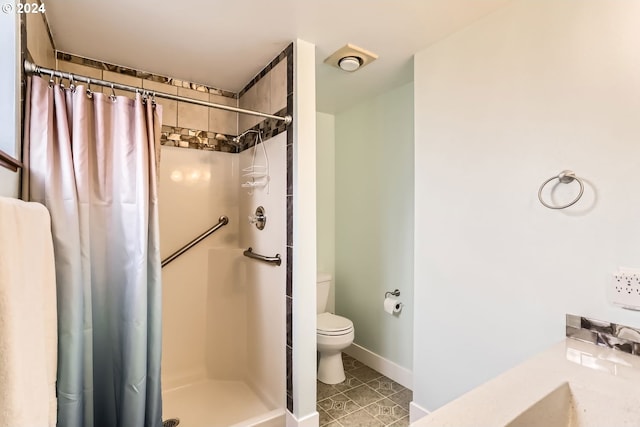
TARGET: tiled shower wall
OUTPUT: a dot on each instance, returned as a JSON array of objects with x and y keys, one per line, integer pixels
[
  {"x": 183, "y": 124},
  {"x": 39, "y": 42},
  {"x": 266, "y": 92},
  {"x": 196, "y": 127}
]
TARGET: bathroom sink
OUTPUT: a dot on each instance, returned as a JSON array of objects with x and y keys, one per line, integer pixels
[
  {"x": 572, "y": 384},
  {"x": 573, "y": 405}
]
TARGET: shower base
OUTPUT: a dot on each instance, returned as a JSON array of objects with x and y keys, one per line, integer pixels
[{"x": 211, "y": 403}]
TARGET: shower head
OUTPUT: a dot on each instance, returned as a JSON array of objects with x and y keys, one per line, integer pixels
[
  {"x": 237, "y": 138},
  {"x": 234, "y": 142}
]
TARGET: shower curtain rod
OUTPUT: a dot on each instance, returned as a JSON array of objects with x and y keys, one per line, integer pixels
[{"x": 31, "y": 68}]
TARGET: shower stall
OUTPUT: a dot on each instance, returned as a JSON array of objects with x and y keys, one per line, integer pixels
[
  {"x": 223, "y": 312},
  {"x": 226, "y": 348}
]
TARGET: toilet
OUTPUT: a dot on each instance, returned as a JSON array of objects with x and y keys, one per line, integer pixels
[{"x": 334, "y": 334}]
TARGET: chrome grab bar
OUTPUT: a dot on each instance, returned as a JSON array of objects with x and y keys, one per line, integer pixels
[
  {"x": 268, "y": 259},
  {"x": 223, "y": 220}
]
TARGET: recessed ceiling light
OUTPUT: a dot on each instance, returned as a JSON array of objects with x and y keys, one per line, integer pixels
[
  {"x": 350, "y": 58},
  {"x": 350, "y": 63}
]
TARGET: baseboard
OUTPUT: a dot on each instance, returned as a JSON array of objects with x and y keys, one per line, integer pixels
[
  {"x": 416, "y": 412},
  {"x": 390, "y": 369},
  {"x": 311, "y": 420}
]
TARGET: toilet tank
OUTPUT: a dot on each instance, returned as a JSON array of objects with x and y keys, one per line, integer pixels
[{"x": 322, "y": 294}]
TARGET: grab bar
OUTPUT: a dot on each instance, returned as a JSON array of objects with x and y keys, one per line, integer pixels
[
  {"x": 222, "y": 221},
  {"x": 268, "y": 259}
]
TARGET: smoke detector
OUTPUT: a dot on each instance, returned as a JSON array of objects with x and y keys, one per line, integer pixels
[{"x": 350, "y": 58}]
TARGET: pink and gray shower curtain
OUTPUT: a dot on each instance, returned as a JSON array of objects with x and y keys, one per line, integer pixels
[{"x": 92, "y": 161}]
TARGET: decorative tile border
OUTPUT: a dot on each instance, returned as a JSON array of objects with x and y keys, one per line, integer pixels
[
  {"x": 288, "y": 54},
  {"x": 203, "y": 140},
  {"x": 604, "y": 334},
  {"x": 63, "y": 56},
  {"x": 195, "y": 139},
  {"x": 268, "y": 128}
]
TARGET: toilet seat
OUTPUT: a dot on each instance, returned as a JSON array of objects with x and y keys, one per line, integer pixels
[{"x": 329, "y": 324}]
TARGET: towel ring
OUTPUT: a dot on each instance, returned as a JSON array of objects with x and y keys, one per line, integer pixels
[{"x": 565, "y": 177}]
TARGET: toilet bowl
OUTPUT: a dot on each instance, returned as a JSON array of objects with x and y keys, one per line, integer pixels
[{"x": 334, "y": 334}]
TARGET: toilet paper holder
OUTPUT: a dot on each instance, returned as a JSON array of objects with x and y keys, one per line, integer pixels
[{"x": 395, "y": 293}]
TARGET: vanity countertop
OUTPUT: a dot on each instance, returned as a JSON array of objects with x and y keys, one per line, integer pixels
[{"x": 591, "y": 385}]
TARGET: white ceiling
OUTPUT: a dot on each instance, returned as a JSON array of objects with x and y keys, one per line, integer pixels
[{"x": 225, "y": 43}]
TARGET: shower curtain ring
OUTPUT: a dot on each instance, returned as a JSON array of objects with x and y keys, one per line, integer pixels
[
  {"x": 72, "y": 86},
  {"x": 153, "y": 99},
  {"x": 113, "y": 94},
  {"x": 89, "y": 93},
  {"x": 51, "y": 80}
]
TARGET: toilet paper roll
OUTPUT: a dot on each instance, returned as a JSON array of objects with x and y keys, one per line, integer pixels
[{"x": 392, "y": 305}]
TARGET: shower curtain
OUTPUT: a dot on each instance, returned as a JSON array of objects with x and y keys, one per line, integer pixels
[{"x": 91, "y": 161}]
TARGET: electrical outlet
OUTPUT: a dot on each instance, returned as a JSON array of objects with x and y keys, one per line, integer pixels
[{"x": 625, "y": 288}]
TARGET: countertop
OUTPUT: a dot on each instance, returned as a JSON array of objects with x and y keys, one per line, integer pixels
[{"x": 604, "y": 383}]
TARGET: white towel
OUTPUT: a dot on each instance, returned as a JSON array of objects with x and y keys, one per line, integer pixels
[{"x": 28, "y": 320}]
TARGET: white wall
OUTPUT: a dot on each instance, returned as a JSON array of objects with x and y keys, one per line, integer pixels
[
  {"x": 326, "y": 197},
  {"x": 374, "y": 220},
  {"x": 535, "y": 88},
  {"x": 266, "y": 284},
  {"x": 304, "y": 233},
  {"x": 196, "y": 188}
]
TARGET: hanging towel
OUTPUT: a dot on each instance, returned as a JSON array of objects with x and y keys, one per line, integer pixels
[{"x": 28, "y": 320}]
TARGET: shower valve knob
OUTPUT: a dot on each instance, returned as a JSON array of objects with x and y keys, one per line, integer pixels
[
  {"x": 255, "y": 219},
  {"x": 259, "y": 219}
]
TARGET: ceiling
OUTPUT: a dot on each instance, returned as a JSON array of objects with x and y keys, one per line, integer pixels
[{"x": 225, "y": 43}]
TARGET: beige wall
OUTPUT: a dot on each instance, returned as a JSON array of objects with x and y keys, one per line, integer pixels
[
  {"x": 174, "y": 113},
  {"x": 265, "y": 285},
  {"x": 268, "y": 95},
  {"x": 38, "y": 41},
  {"x": 196, "y": 187}
]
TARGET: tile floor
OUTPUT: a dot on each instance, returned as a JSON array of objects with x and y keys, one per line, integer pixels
[{"x": 366, "y": 398}]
